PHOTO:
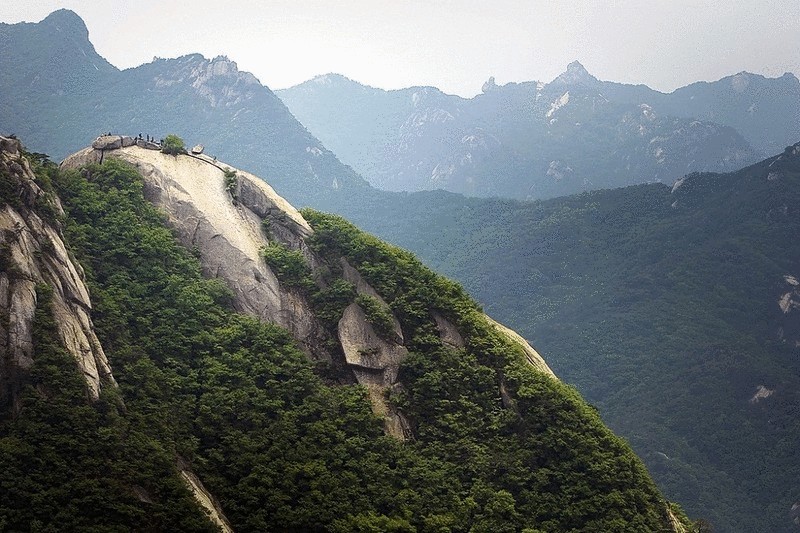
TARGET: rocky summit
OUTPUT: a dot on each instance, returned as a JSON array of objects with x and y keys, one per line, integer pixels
[{"x": 225, "y": 225}]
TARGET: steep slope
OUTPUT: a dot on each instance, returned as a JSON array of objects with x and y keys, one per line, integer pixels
[
  {"x": 518, "y": 140},
  {"x": 376, "y": 130},
  {"x": 51, "y": 75},
  {"x": 62, "y": 439},
  {"x": 32, "y": 253},
  {"x": 527, "y": 140},
  {"x": 487, "y": 244},
  {"x": 765, "y": 111},
  {"x": 489, "y": 423},
  {"x": 54, "y": 82},
  {"x": 675, "y": 310}
]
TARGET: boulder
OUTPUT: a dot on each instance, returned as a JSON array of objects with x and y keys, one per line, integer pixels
[{"x": 107, "y": 142}]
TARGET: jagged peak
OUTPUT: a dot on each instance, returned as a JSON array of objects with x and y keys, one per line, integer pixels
[
  {"x": 201, "y": 60},
  {"x": 490, "y": 85},
  {"x": 224, "y": 59},
  {"x": 219, "y": 66},
  {"x": 576, "y": 74},
  {"x": 577, "y": 66}
]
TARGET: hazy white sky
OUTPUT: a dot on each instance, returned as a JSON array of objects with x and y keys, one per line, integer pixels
[{"x": 452, "y": 44}]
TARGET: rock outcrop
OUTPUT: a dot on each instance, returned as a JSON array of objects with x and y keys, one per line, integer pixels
[
  {"x": 32, "y": 252},
  {"x": 204, "y": 498},
  {"x": 112, "y": 142},
  {"x": 227, "y": 233},
  {"x": 229, "y": 216},
  {"x": 531, "y": 355}
]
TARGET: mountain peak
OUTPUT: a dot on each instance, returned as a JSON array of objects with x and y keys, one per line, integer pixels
[
  {"x": 67, "y": 20},
  {"x": 577, "y": 66},
  {"x": 334, "y": 79},
  {"x": 790, "y": 77},
  {"x": 576, "y": 74},
  {"x": 490, "y": 85}
]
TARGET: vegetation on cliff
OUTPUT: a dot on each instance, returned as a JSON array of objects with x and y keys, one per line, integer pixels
[{"x": 235, "y": 401}]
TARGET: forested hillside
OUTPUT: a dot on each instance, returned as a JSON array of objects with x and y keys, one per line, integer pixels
[
  {"x": 672, "y": 310},
  {"x": 204, "y": 393},
  {"x": 669, "y": 311}
]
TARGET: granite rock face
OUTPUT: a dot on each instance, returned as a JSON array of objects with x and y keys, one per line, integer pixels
[
  {"x": 32, "y": 252},
  {"x": 228, "y": 233},
  {"x": 112, "y": 142}
]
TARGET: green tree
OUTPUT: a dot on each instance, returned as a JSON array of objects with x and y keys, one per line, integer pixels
[{"x": 173, "y": 145}]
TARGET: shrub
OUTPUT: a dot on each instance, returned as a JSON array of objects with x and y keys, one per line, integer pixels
[
  {"x": 377, "y": 315},
  {"x": 230, "y": 182},
  {"x": 289, "y": 266},
  {"x": 173, "y": 145}
]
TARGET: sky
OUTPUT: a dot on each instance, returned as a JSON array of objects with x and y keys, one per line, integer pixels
[{"x": 455, "y": 45}]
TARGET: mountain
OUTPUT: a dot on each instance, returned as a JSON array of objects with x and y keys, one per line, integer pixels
[
  {"x": 353, "y": 390},
  {"x": 54, "y": 81},
  {"x": 50, "y": 76},
  {"x": 32, "y": 254},
  {"x": 766, "y": 111},
  {"x": 543, "y": 267},
  {"x": 520, "y": 140},
  {"x": 383, "y": 125},
  {"x": 674, "y": 306}
]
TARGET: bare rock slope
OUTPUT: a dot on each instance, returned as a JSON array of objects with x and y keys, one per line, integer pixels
[
  {"x": 221, "y": 212},
  {"x": 32, "y": 252}
]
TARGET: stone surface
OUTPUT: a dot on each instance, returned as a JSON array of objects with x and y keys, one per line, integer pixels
[
  {"x": 448, "y": 332},
  {"x": 107, "y": 142},
  {"x": 362, "y": 287},
  {"x": 205, "y": 499},
  {"x": 228, "y": 235},
  {"x": 34, "y": 252},
  {"x": 364, "y": 348},
  {"x": 375, "y": 363},
  {"x": 113, "y": 142},
  {"x": 531, "y": 355}
]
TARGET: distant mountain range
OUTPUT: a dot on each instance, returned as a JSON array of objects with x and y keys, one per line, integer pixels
[
  {"x": 537, "y": 140},
  {"x": 669, "y": 318}
]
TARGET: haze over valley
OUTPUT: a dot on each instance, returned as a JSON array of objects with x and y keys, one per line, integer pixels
[{"x": 198, "y": 334}]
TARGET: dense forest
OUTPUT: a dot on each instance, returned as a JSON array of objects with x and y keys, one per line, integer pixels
[
  {"x": 660, "y": 305},
  {"x": 272, "y": 437}
]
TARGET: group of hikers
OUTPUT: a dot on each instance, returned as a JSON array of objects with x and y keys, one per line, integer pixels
[{"x": 151, "y": 139}]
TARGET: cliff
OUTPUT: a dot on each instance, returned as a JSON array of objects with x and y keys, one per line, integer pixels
[{"x": 32, "y": 252}]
